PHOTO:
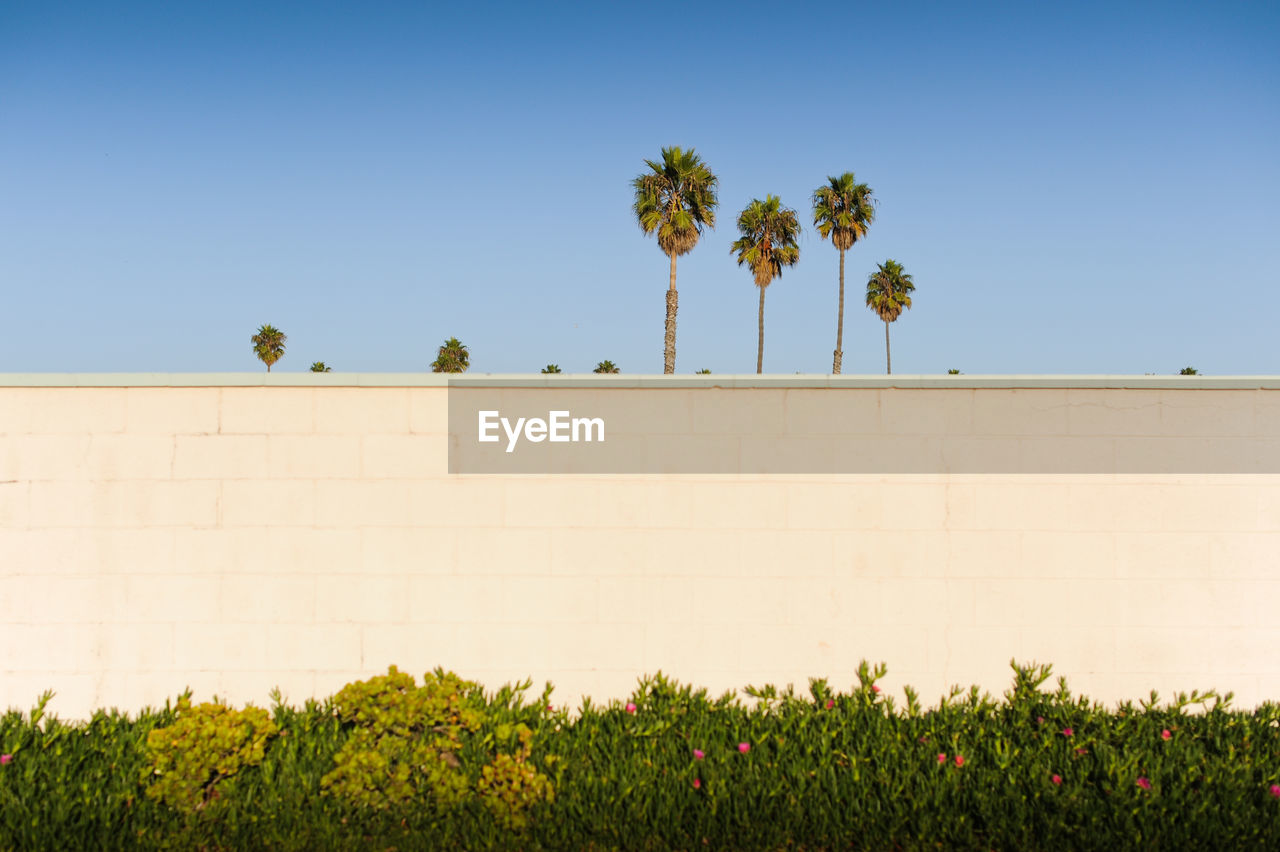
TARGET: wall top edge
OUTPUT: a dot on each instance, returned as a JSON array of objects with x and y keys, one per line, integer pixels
[{"x": 589, "y": 380}]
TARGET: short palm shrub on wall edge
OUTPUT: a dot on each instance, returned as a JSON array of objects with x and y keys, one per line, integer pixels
[{"x": 438, "y": 763}]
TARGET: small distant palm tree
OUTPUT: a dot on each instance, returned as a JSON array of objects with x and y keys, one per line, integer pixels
[
  {"x": 953, "y": 372},
  {"x": 606, "y": 367},
  {"x": 768, "y": 243},
  {"x": 842, "y": 212},
  {"x": 451, "y": 357},
  {"x": 268, "y": 345},
  {"x": 321, "y": 367},
  {"x": 551, "y": 368},
  {"x": 675, "y": 199},
  {"x": 1188, "y": 371},
  {"x": 889, "y": 292},
  {"x": 703, "y": 373}
]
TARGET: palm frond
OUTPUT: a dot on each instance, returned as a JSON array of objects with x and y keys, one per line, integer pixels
[
  {"x": 889, "y": 290},
  {"x": 769, "y": 239},
  {"x": 676, "y": 199}
]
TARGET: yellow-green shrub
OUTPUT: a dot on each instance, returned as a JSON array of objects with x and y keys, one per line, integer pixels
[
  {"x": 406, "y": 739},
  {"x": 207, "y": 745},
  {"x": 510, "y": 785}
]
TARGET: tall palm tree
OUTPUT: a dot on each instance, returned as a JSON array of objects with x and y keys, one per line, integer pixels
[
  {"x": 268, "y": 344},
  {"x": 451, "y": 357},
  {"x": 551, "y": 368},
  {"x": 889, "y": 291},
  {"x": 675, "y": 199},
  {"x": 606, "y": 367},
  {"x": 321, "y": 367},
  {"x": 842, "y": 212},
  {"x": 768, "y": 243}
]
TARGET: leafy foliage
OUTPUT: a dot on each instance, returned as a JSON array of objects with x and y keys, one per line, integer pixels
[
  {"x": 889, "y": 290},
  {"x": 606, "y": 367},
  {"x": 676, "y": 199},
  {"x": 769, "y": 239},
  {"x": 843, "y": 210},
  {"x": 551, "y": 368},
  {"x": 268, "y": 344},
  {"x": 320, "y": 367},
  {"x": 671, "y": 767},
  {"x": 406, "y": 739},
  {"x": 205, "y": 746},
  {"x": 451, "y": 357}
]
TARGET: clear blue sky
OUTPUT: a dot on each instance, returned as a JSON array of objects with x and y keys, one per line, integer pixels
[{"x": 1076, "y": 188}]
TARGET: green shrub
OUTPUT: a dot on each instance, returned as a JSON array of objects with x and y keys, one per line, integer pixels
[
  {"x": 833, "y": 767},
  {"x": 406, "y": 739},
  {"x": 510, "y": 785},
  {"x": 206, "y": 745}
]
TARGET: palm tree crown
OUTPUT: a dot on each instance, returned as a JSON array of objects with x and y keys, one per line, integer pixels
[
  {"x": 768, "y": 243},
  {"x": 321, "y": 367},
  {"x": 842, "y": 212},
  {"x": 889, "y": 292},
  {"x": 451, "y": 357},
  {"x": 606, "y": 367},
  {"x": 268, "y": 344},
  {"x": 551, "y": 368},
  {"x": 675, "y": 200}
]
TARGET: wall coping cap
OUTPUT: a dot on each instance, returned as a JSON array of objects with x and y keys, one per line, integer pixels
[{"x": 590, "y": 380}]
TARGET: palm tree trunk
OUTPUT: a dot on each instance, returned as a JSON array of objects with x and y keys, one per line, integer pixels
[
  {"x": 888, "y": 362},
  {"x": 760, "y": 346},
  {"x": 669, "y": 338},
  {"x": 839, "y": 354}
]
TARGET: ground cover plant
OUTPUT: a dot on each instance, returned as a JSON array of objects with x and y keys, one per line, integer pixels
[{"x": 389, "y": 763}]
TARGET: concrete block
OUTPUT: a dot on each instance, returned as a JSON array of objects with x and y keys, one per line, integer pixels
[
  {"x": 362, "y": 411},
  {"x": 408, "y": 550},
  {"x": 429, "y": 411},
  {"x": 504, "y": 551},
  {"x": 128, "y": 456},
  {"x": 456, "y": 598},
  {"x": 552, "y": 600},
  {"x": 402, "y": 457},
  {"x": 171, "y": 411},
  {"x": 272, "y": 502},
  {"x": 362, "y": 598},
  {"x": 220, "y": 457},
  {"x": 268, "y": 411},
  {"x": 267, "y": 598},
  {"x": 313, "y": 456}
]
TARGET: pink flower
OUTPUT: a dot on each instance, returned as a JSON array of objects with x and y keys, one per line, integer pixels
[
  {"x": 1275, "y": 788},
  {"x": 1066, "y": 732},
  {"x": 6, "y": 759},
  {"x": 831, "y": 702},
  {"x": 924, "y": 739},
  {"x": 697, "y": 783},
  {"x": 698, "y": 754},
  {"x": 875, "y": 688},
  {"x": 1165, "y": 735},
  {"x": 942, "y": 757},
  {"x": 631, "y": 708},
  {"x": 1056, "y": 779},
  {"x": 743, "y": 748},
  {"x": 1039, "y": 720},
  {"x": 959, "y": 760},
  {"x": 1082, "y": 751},
  {"x": 1143, "y": 782}
]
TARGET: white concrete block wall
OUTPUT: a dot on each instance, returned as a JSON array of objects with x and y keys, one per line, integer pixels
[{"x": 232, "y": 539}]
